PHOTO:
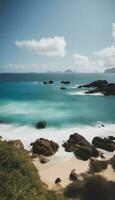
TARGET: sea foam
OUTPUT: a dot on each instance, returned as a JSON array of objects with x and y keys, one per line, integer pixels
[{"x": 28, "y": 134}]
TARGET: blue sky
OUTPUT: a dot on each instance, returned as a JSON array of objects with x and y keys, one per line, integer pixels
[{"x": 52, "y": 35}]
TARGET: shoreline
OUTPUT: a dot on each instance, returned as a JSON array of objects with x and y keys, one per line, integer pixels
[{"x": 61, "y": 163}]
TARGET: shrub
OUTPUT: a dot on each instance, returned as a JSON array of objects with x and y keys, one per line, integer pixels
[{"x": 19, "y": 179}]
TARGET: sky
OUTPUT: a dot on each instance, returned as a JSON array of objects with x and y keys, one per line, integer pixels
[{"x": 56, "y": 35}]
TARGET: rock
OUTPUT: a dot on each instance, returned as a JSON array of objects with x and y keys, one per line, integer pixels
[
  {"x": 111, "y": 137},
  {"x": 41, "y": 124},
  {"x": 50, "y": 82},
  {"x": 83, "y": 152},
  {"x": 105, "y": 144},
  {"x": 102, "y": 125},
  {"x": 101, "y": 154},
  {"x": 109, "y": 89},
  {"x": 62, "y": 88},
  {"x": 16, "y": 143},
  {"x": 80, "y": 146},
  {"x": 43, "y": 159},
  {"x": 101, "y": 86},
  {"x": 58, "y": 180},
  {"x": 97, "y": 165},
  {"x": 45, "y": 147},
  {"x": 45, "y": 82},
  {"x": 95, "y": 84},
  {"x": 70, "y": 145},
  {"x": 73, "y": 176},
  {"x": 65, "y": 82}
]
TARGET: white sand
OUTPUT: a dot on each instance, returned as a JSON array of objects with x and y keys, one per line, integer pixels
[{"x": 50, "y": 171}]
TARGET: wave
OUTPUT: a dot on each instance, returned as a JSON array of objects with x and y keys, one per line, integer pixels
[
  {"x": 35, "y": 82},
  {"x": 28, "y": 134},
  {"x": 83, "y": 93}
]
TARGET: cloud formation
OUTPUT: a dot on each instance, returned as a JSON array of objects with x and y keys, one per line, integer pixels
[
  {"x": 45, "y": 46},
  {"x": 86, "y": 64},
  {"x": 99, "y": 61},
  {"x": 113, "y": 29},
  {"x": 107, "y": 55}
]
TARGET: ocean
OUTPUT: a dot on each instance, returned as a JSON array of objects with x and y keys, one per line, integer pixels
[{"x": 25, "y": 100}]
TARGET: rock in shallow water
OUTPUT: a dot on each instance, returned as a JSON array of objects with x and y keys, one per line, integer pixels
[
  {"x": 65, "y": 82},
  {"x": 100, "y": 86},
  {"x": 41, "y": 124}
]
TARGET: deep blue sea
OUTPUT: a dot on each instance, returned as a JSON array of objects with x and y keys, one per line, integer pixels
[{"x": 24, "y": 100}]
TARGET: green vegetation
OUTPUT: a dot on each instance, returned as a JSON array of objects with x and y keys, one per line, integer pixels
[{"x": 19, "y": 179}]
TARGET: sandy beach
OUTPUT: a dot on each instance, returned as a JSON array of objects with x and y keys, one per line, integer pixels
[{"x": 52, "y": 170}]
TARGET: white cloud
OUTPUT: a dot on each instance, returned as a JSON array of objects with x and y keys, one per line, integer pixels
[
  {"x": 45, "y": 46},
  {"x": 113, "y": 29},
  {"x": 100, "y": 60},
  {"x": 107, "y": 55},
  {"x": 86, "y": 64}
]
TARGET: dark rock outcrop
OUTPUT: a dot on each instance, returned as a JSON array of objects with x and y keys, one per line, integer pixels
[
  {"x": 80, "y": 146},
  {"x": 97, "y": 165},
  {"x": 50, "y": 82},
  {"x": 16, "y": 143},
  {"x": 111, "y": 138},
  {"x": 41, "y": 124},
  {"x": 45, "y": 82},
  {"x": 95, "y": 84},
  {"x": 73, "y": 176},
  {"x": 65, "y": 82},
  {"x": 83, "y": 153},
  {"x": 104, "y": 143},
  {"x": 101, "y": 86},
  {"x": 62, "y": 88},
  {"x": 45, "y": 147},
  {"x": 58, "y": 180}
]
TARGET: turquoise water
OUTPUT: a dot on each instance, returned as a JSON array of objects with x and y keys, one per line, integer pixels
[{"x": 25, "y": 100}]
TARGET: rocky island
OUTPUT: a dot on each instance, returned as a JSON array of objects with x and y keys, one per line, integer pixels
[{"x": 100, "y": 86}]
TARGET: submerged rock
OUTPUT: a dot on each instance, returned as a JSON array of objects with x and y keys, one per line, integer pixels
[
  {"x": 41, "y": 124},
  {"x": 104, "y": 143},
  {"x": 45, "y": 147},
  {"x": 50, "y": 82},
  {"x": 65, "y": 82},
  {"x": 63, "y": 88},
  {"x": 44, "y": 82}
]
